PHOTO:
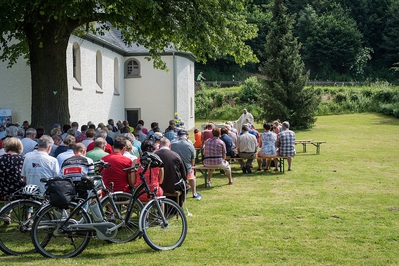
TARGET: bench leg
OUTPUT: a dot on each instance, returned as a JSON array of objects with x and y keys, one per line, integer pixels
[{"x": 282, "y": 166}]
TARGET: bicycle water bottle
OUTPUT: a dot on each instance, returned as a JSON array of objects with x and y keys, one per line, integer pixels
[{"x": 96, "y": 212}]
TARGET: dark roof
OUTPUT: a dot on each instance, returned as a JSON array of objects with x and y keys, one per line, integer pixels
[{"x": 112, "y": 40}]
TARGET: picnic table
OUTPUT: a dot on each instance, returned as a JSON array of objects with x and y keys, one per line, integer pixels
[{"x": 315, "y": 143}]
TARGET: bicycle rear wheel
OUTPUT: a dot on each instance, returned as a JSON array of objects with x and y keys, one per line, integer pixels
[
  {"x": 129, "y": 231},
  {"x": 160, "y": 235},
  {"x": 15, "y": 226},
  {"x": 53, "y": 239}
]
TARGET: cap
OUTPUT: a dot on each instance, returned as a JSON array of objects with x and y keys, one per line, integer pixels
[
  {"x": 171, "y": 122},
  {"x": 182, "y": 132},
  {"x": 138, "y": 127},
  {"x": 159, "y": 134}
]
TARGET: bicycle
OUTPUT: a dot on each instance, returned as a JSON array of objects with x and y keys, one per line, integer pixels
[
  {"x": 65, "y": 233},
  {"x": 16, "y": 219}
]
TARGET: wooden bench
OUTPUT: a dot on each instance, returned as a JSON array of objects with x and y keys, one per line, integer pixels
[
  {"x": 317, "y": 144},
  {"x": 175, "y": 195},
  {"x": 204, "y": 169}
]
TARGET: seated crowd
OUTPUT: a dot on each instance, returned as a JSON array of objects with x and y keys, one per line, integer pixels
[{"x": 28, "y": 154}]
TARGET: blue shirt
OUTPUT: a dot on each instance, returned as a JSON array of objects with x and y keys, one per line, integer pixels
[{"x": 229, "y": 144}]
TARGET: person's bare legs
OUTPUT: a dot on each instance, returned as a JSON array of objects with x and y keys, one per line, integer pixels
[
  {"x": 275, "y": 164},
  {"x": 289, "y": 160},
  {"x": 210, "y": 173},
  {"x": 192, "y": 183},
  {"x": 259, "y": 164}
]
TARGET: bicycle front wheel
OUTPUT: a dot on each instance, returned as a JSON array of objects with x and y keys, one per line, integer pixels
[
  {"x": 53, "y": 238},
  {"x": 158, "y": 234},
  {"x": 15, "y": 225},
  {"x": 130, "y": 230}
]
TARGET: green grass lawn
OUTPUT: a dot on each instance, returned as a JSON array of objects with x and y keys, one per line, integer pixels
[{"x": 337, "y": 208}]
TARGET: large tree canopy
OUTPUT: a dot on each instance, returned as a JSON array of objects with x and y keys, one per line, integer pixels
[{"x": 40, "y": 30}]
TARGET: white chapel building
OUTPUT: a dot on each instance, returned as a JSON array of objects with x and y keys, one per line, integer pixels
[{"x": 107, "y": 79}]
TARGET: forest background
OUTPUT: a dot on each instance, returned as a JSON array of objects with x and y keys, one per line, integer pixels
[{"x": 341, "y": 40}]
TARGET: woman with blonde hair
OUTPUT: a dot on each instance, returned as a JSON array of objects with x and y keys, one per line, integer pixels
[{"x": 11, "y": 167}]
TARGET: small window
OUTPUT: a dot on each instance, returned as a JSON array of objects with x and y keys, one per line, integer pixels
[
  {"x": 132, "y": 68},
  {"x": 116, "y": 77},
  {"x": 99, "y": 69},
  {"x": 76, "y": 62}
]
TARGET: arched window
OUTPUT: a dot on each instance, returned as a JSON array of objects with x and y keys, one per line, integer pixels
[
  {"x": 132, "y": 68},
  {"x": 99, "y": 69},
  {"x": 77, "y": 73},
  {"x": 116, "y": 76}
]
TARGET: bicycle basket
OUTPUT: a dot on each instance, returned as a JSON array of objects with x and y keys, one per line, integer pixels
[{"x": 61, "y": 192}]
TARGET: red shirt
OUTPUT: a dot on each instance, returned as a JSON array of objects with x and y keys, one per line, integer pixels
[
  {"x": 151, "y": 176},
  {"x": 108, "y": 148},
  {"x": 115, "y": 173}
]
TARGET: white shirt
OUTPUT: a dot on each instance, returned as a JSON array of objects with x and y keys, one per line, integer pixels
[{"x": 39, "y": 164}]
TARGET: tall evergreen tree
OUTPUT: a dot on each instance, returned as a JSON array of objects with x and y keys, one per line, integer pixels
[{"x": 284, "y": 95}]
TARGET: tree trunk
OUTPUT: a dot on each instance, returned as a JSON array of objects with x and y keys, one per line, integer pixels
[{"x": 49, "y": 78}]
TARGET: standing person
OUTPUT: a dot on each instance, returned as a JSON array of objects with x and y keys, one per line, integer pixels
[
  {"x": 29, "y": 142},
  {"x": 245, "y": 118},
  {"x": 268, "y": 146},
  {"x": 123, "y": 181},
  {"x": 39, "y": 164},
  {"x": 286, "y": 143},
  {"x": 215, "y": 154},
  {"x": 247, "y": 146},
  {"x": 175, "y": 172},
  {"x": 200, "y": 77},
  {"x": 10, "y": 168},
  {"x": 186, "y": 150}
]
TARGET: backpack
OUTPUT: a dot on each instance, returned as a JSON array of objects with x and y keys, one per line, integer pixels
[{"x": 61, "y": 192}]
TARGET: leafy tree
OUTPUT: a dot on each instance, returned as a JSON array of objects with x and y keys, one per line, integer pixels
[
  {"x": 391, "y": 35},
  {"x": 284, "y": 96},
  {"x": 331, "y": 41},
  {"x": 39, "y": 30}
]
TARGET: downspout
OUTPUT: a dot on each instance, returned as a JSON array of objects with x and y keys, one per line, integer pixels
[{"x": 174, "y": 84}]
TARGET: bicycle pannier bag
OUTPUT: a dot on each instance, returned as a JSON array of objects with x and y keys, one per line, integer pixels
[{"x": 61, "y": 192}]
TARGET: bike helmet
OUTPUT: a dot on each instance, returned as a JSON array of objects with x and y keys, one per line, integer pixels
[{"x": 31, "y": 190}]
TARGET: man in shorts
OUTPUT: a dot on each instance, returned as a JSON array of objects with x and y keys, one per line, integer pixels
[
  {"x": 186, "y": 150},
  {"x": 214, "y": 154}
]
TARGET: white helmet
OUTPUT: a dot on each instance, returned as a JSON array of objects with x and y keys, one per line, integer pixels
[{"x": 31, "y": 190}]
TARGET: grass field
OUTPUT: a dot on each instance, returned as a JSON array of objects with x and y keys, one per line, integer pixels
[{"x": 337, "y": 208}]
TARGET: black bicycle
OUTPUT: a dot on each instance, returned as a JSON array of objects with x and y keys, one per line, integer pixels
[{"x": 66, "y": 232}]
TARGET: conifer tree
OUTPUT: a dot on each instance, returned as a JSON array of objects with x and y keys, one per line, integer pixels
[{"x": 284, "y": 95}]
